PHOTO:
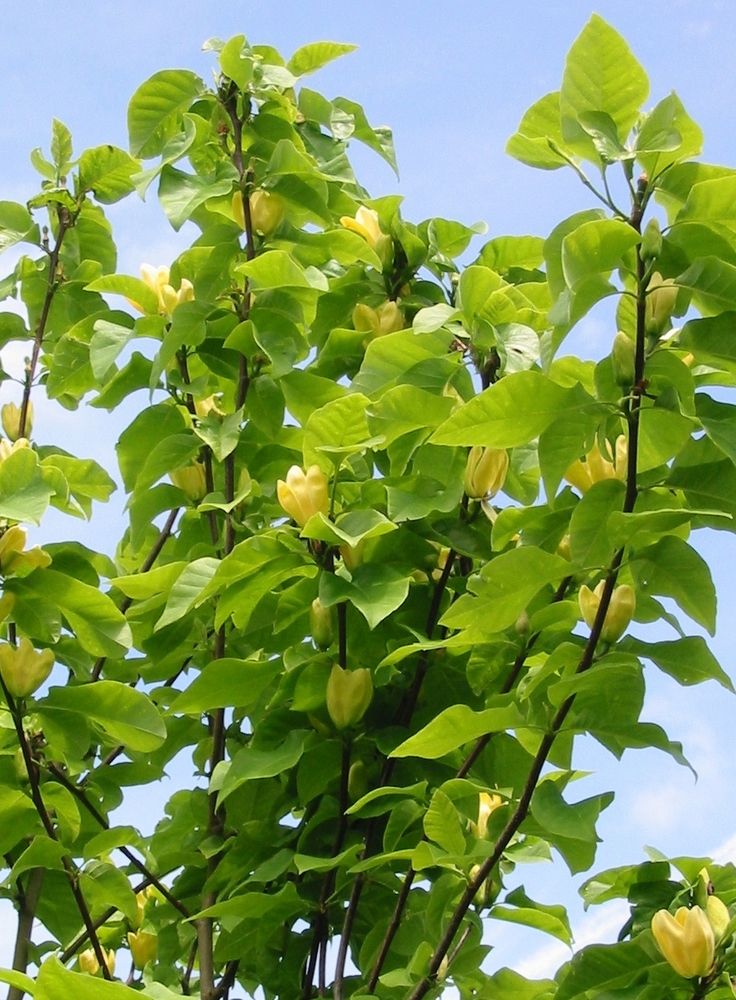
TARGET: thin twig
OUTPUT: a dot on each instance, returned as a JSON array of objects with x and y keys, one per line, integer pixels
[
  {"x": 81, "y": 939},
  {"x": 147, "y": 563}
]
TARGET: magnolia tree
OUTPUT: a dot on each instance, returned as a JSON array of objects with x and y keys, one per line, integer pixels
[{"x": 383, "y": 547}]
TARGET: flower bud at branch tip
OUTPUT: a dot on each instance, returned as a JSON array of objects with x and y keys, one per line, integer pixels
[
  {"x": 143, "y": 948},
  {"x": 620, "y": 610},
  {"x": 23, "y": 669},
  {"x": 365, "y": 224},
  {"x": 686, "y": 940},
  {"x": 10, "y": 417},
  {"x": 303, "y": 494},
  {"x": 191, "y": 480},
  {"x": 320, "y": 624},
  {"x": 485, "y": 472},
  {"x": 349, "y": 693}
]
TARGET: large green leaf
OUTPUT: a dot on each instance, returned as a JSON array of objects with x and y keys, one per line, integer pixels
[
  {"x": 523, "y": 910},
  {"x": 688, "y": 660},
  {"x": 315, "y": 55},
  {"x": 595, "y": 248},
  {"x": 226, "y": 683},
  {"x": 456, "y": 726},
  {"x": 57, "y": 983},
  {"x": 154, "y": 107},
  {"x": 513, "y": 412},
  {"x": 531, "y": 142},
  {"x": 106, "y": 171},
  {"x": 713, "y": 284},
  {"x": 250, "y": 764},
  {"x": 672, "y": 568},
  {"x": 442, "y": 824},
  {"x": 601, "y": 74},
  {"x": 24, "y": 492},
  {"x": 375, "y": 590},
  {"x": 127, "y": 716}
]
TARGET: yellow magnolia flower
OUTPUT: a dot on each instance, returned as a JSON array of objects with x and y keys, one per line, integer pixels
[
  {"x": 349, "y": 693},
  {"x": 485, "y": 472},
  {"x": 267, "y": 210},
  {"x": 10, "y": 418},
  {"x": 686, "y": 940},
  {"x": 7, "y": 449},
  {"x": 661, "y": 300},
  {"x": 88, "y": 961},
  {"x": 595, "y": 467},
  {"x": 365, "y": 224},
  {"x": 24, "y": 669},
  {"x": 387, "y": 318},
  {"x": 13, "y": 558},
  {"x": 191, "y": 480},
  {"x": 157, "y": 278},
  {"x": 143, "y": 948},
  {"x": 620, "y": 610},
  {"x": 203, "y": 407},
  {"x": 487, "y": 804},
  {"x": 303, "y": 494}
]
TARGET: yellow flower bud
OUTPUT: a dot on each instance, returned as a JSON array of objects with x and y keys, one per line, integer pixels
[
  {"x": 595, "y": 467},
  {"x": 349, "y": 693},
  {"x": 365, "y": 224},
  {"x": 661, "y": 300},
  {"x": 157, "y": 278},
  {"x": 10, "y": 416},
  {"x": 483, "y": 895},
  {"x": 238, "y": 210},
  {"x": 365, "y": 319},
  {"x": 304, "y": 494},
  {"x": 620, "y": 610},
  {"x": 651, "y": 244},
  {"x": 143, "y": 948},
  {"x": 487, "y": 804},
  {"x": 352, "y": 555},
  {"x": 320, "y": 624},
  {"x": 718, "y": 916},
  {"x": 485, "y": 472},
  {"x": 6, "y": 605},
  {"x": 88, "y": 961},
  {"x": 563, "y": 549},
  {"x": 686, "y": 940},
  {"x": 267, "y": 210},
  {"x": 390, "y": 318},
  {"x": 191, "y": 480},
  {"x": 203, "y": 407},
  {"x": 23, "y": 669},
  {"x": 13, "y": 560},
  {"x": 623, "y": 358},
  {"x": 7, "y": 449}
]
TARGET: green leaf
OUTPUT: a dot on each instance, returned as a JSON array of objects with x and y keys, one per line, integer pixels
[
  {"x": 221, "y": 435},
  {"x": 43, "y": 852},
  {"x": 108, "y": 341},
  {"x": 236, "y": 61},
  {"x": 713, "y": 284},
  {"x": 24, "y": 492},
  {"x": 523, "y": 910},
  {"x": 16, "y": 225},
  {"x": 511, "y": 413},
  {"x": 601, "y": 74},
  {"x": 181, "y": 194},
  {"x": 456, "y": 726},
  {"x": 18, "y": 815},
  {"x": 602, "y": 968},
  {"x": 106, "y": 171},
  {"x": 314, "y": 56},
  {"x": 375, "y": 590},
  {"x": 226, "y": 683},
  {"x": 688, "y": 660},
  {"x": 132, "y": 288},
  {"x": 386, "y": 797},
  {"x": 99, "y": 626},
  {"x": 19, "y": 980},
  {"x": 350, "y": 528},
  {"x": 187, "y": 589},
  {"x": 672, "y": 568},
  {"x": 127, "y": 716},
  {"x": 155, "y": 106},
  {"x": 531, "y": 143},
  {"x": 590, "y": 545},
  {"x": 61, "y": 145},
  {"x": 57, "y": 983},
  {"x": 504, "y": 588},
  {"x": 442, "y": 824},
  {"x": 336, "y": 430},
  {"x": 574, "y": 822},
  {"x": 595, "y": 248},
  {"x": 249, "y": 764},
  {"x": 719, "y": 422}
]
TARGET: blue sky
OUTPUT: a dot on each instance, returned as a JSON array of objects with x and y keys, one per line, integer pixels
[{"x": 453, "y": 82}]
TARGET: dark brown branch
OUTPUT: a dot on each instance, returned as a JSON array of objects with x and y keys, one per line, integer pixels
[
  {"x": 147, "y": 563},
  {"x": 585, "y": 662}
]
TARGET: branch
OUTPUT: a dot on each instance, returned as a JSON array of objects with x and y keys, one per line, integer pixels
[
  {"x": 150, "y": 559},
  {"x": 27, "y": 905},
  {"x": 65, "y": 223},
  {"x": 586, "y": 660},
  {"x": 71, "y": 950},
  {"x": 38, "y": 802},
  {"x": 80, "y": 795}
]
